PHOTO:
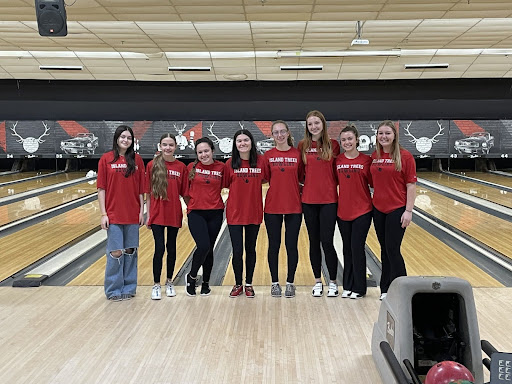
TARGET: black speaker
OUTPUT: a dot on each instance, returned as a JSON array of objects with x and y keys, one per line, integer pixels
[{"x": 51, "y": 17}]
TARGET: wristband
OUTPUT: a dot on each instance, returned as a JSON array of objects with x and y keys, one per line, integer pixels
[
  {"x": 104, "y": 214},
  {"x": 408, "y": 211}
]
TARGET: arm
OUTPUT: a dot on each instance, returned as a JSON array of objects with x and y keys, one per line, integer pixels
[
  {"x": 148, "y": 207},
  {"x": 411, "y": 197},
  {"x": 101, "y": 200},
  {"x": 141, "y": 212}
]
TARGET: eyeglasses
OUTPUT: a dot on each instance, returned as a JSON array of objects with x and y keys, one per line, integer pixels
[{"x": 279, "y": 133}]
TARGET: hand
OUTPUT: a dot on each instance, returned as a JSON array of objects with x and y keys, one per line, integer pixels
[
  {"x": 141, "y": 219},
  {"x": 104, "y": 222},
  {"x": 406, "y": 219}
]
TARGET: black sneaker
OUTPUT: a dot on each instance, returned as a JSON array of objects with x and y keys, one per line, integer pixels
[
  {"x": 191, "y": 285},
  {"x": 205, "y": 289}
]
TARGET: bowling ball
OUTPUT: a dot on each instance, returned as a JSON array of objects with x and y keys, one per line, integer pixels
[{"x": 447, "y": 372}]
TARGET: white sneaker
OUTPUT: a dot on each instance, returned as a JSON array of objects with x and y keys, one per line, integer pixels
[
  {"x": 356, "y": 296},
  {"x": 156, "y": 293},
  {"x": 382, "y": 296},
  {"x": 318, "y": 290},
  {"x": 346, "y": 294},
  {"x": 333, "y": 290},
  {"x": 169, "y": 290}
]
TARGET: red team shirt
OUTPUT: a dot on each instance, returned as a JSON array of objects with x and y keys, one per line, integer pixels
[
  {"x": 205, "y": 187},
  {"x": 390, "y": 191},
  {"x": 282, "y": 170},
  {"x": 122, "y": 194},
  {"x": 245, "y": 200},
  {"x": 168, "y": 212},
  {"x": 320, "y": 184},
  {"x": 353, "y": 180}
]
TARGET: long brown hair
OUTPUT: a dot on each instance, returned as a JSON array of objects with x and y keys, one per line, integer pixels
[
  {"x": 323, "y": 145},
  {"x": 129, "y": 155},
  {"x": 394, "y": 154},
  {"x": 159, "y": 172}
]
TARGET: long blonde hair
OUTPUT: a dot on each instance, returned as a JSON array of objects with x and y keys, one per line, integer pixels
[
  {"x": 324, "y": 145},
  {"x": 159, "y": 172},
  {"x": 394, "y": 154}
]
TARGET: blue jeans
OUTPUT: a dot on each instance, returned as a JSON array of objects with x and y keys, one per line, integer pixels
[{"x": 121, "y": 272}]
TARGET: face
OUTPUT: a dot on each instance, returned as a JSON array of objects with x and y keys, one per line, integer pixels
[
  {"x": 348, "y": 141},
  {"x": 315, "y": 125},
  {"x": 204, "y": 153},
  {"x": 167, "y": 146},
  {"x": 280, "y": 133},
  {"x": 124, "y": 141},
  {"x": 385, "y": 136},
  {"x": 243, "y": 143}
]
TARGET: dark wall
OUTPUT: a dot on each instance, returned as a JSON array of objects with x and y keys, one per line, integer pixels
[{"x": 255, "y": 100}]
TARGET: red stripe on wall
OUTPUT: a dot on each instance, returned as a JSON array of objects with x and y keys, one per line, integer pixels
[
  {"x": 140, "y": 128},
  {"x": 335, "y": 128},
  {"x": 198, "y": 131},
  {"x": 3, "y": 140},
  {"x": 468, "y": 127},
  {"x": 265, "y": 127},
  {"x": 72, "y": 128}
]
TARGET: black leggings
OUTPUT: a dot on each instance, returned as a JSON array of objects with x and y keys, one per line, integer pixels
[
  {"x": 160, "y": 245},
  {"x": 204, "y": 225},
  {"x": 353, "y": 234},
  {"x": 320, "y": 221},
  {"x": 390, "y": 234},
  {"x": 273, "y": 223},
  {"x": 237, "y": 242}
]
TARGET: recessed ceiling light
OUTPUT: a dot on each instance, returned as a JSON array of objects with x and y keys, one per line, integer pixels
[
  {"x": 190, "y": 69},
  {"x": 426, "y": 66},
  {"x": 61, "y": 67},
  {"x": 301, "y": 67}
]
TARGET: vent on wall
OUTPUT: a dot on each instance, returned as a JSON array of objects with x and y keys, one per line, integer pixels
[
  {"x": 301, "y": 67},
  {"x": 190, "y": 69},
  {"x": 426, "y": 66},
  {"x": 61, "y": 67}
]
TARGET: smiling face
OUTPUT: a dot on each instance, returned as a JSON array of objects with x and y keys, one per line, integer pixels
[
  {"x": 243, "y": 144},
  {"x": 124, "y": 141},
  {"x": 386, "y": 137},
  {"x": 280, "y": 133},
  {"x": 348, "y": 141},
  {"x": 315, "y": 126},
  {"x": 167, "y": 147},
  {"x": 204, "y": 153}
]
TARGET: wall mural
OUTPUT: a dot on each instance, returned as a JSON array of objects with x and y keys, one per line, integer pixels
[{"x": 423, "y": 138}]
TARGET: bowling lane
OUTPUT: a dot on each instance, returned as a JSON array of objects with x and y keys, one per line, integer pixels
[
  {"x": 425, "y": 255},
  {"x": 491, "y": 178},
  {"x": 19, "y": 176},
  {"x": 30, "y": 185},
  {"x": 95, "y": 274},
  {"x": 471, "y": 188},
  {"x": 30, "y": 244},
  {"x": 35, "y": 204},
  {"x": 489, "y": 229},
  {"x": 303, "y": 275}
]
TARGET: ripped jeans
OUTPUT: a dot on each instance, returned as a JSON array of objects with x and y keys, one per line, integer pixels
[{"x": 121, "y": 272}]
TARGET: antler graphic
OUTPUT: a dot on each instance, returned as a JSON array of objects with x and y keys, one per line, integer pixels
[
  {"x": 13, "y": 129},
  {"x": 180, "y": 130},
  {"x": 441, "y": 129},
  {"x": 372, "y": 127},
  {"x": 241, "y": 125},
  {"x": 407, "y": 133},
  {"x": 217, "y": 140},
  {"x": 46, "y": 129}
]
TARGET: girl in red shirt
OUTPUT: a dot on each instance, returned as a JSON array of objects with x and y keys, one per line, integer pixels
[
  {"x": 282, "y": 202},
  {"x": 393, "y": 172},
  {"x": 166, "y": 181},
  {"x": 244, "y": 207},
  {"x": 121, "y": 199},
  {"x": 319, "y": 198},
  {"x": 354, "y": 211},
  {"x": 205, "y": 211}
]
